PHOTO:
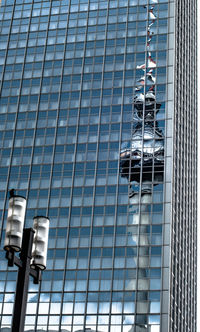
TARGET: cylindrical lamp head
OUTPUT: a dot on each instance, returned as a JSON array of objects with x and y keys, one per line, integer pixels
[
  {"x": 40, "y": 242},
  {"x": 15, "y": 223}
]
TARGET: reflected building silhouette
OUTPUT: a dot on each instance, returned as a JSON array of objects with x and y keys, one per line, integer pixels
[{"x": 142, "y": 162}]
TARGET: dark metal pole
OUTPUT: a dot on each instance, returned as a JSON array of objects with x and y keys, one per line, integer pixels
[{"x": 22, "y": 282}]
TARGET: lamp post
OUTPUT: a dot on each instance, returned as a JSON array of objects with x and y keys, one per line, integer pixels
[{"x": 32, "y": 244}]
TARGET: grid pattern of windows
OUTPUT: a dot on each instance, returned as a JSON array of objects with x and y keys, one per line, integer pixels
[
  {"x": 69, "y": 70},
  {"x": 183, "y": 260}
]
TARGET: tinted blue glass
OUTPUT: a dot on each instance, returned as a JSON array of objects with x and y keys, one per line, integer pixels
[{"x": 83, "y": 110}]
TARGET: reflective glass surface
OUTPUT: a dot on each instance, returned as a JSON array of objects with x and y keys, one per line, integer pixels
[{"x": 83, "y": 105}]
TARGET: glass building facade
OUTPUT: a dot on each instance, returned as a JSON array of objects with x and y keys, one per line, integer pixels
[{"x": 98, "y": 130}]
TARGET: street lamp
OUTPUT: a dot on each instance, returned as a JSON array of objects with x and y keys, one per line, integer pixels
[{"x": 32, "y": 244}]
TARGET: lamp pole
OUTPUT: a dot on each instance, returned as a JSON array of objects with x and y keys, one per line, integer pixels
[
  {"x": 23, "y": 278},
  {"x": 32, "y": 256}
]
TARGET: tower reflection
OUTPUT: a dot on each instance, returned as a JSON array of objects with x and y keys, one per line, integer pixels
[{"x": 142, "y": 164}]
